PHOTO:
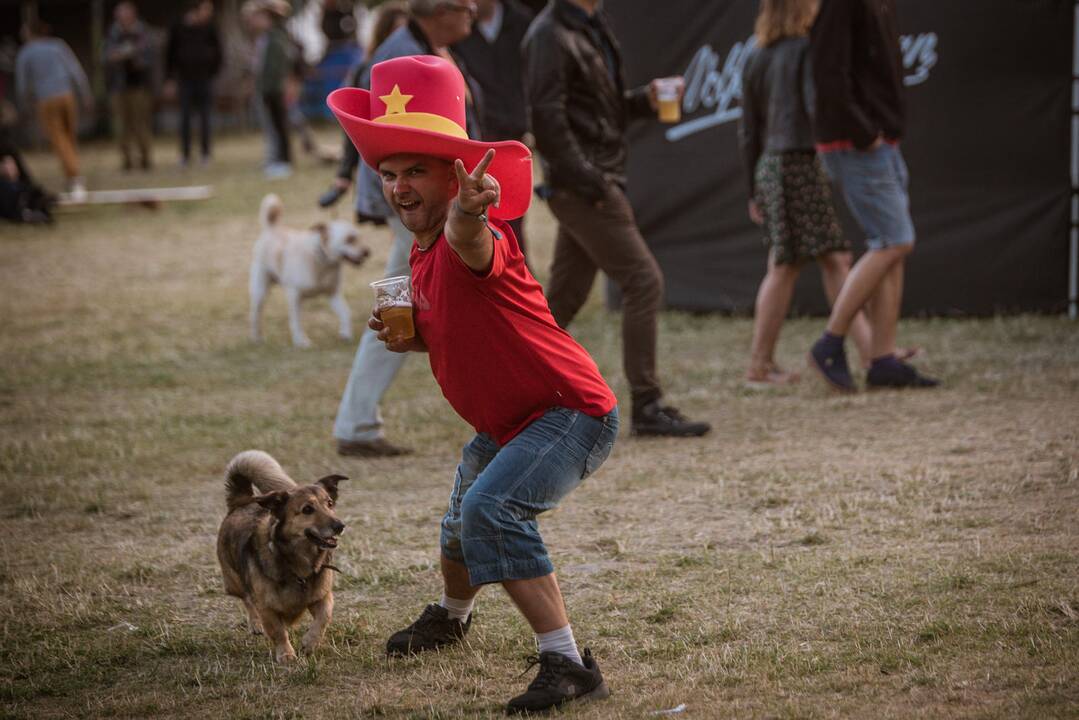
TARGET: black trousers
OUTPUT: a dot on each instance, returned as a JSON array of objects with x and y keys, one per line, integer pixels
[
  {"x": 195, "y": 98},
  {"x": 278, "y": 115}
]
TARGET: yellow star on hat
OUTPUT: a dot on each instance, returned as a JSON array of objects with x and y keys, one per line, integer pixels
[{"x": 395, "y": 101}]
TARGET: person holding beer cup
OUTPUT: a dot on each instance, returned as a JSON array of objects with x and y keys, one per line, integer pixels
[
  {"x": 545, "y": 419},
  {"x": 580, "y": 109}
]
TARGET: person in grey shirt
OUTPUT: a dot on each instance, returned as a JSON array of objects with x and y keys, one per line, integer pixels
[
  {"x": 50, "y": 81},
  {"x": 433, "y": 26}
]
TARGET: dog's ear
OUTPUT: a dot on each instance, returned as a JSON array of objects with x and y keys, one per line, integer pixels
[
  {"x": 274, "y": 501},
  {"x": 330, "y": 484},
  {"x": 323, "y": 231}
]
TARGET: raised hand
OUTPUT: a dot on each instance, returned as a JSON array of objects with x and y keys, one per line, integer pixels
[{"x": 477, "y": 189}]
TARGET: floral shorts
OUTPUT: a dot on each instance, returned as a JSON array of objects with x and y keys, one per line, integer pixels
[{"x": 795, "y": 198}]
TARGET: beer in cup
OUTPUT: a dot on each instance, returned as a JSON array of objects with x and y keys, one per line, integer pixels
[
  {"x": 393, "y": 299},
  {"x": 669, "y": 99}
]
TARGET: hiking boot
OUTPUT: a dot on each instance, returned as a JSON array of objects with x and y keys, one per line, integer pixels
[
  {"x": 379, "y": 447},
  {"x": 831, "y": 364},
  {"x": 663, "y": 420},
  {"x": 434, "y": 629},
  {"x": 560, "y": 680},
  {"x": 897, "y": 375}
]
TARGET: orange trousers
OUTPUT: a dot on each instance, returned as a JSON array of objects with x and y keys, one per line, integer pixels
[{"x": 59, "y": 118}]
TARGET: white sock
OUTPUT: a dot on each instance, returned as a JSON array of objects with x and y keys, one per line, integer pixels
[
  {"x": 560, "y": 641},
  {"x": 457, "y": 609}
]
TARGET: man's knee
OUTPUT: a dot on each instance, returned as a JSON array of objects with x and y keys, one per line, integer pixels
[
  {"x": 481, "y": 516},
  {"x": 905, "y": 248},
  {"x": 895, "y": 251},
  {"x": 644, "y": 286}
]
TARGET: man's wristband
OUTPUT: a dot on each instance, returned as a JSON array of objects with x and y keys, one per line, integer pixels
[{"x": 481, "y": 216}]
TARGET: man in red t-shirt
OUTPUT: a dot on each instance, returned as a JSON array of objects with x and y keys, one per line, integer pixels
[{"x": 545, "y": 419}]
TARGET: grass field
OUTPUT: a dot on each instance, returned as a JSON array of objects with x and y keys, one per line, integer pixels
[{"x": 886, "y": 555}]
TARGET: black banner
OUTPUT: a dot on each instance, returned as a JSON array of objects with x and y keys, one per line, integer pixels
[{"x": 987, "y": 144}]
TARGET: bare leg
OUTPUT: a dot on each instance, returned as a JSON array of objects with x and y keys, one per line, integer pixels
[
  {"x": 254, "y": 624},
  {"x": 834, "y": 268},
  {"x": 773, "y": 302},
  {"x": 321, "y": 614},
  {"x": 455, "y": 577},
  {"x": 862, "y": 283},
  {"x": 277, "y": 631},
  {"x": 540, "y": 601},
  {"x": 884, "y": 311}
]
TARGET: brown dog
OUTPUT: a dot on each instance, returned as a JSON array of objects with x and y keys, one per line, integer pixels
[{"x": 275, "y": 549}]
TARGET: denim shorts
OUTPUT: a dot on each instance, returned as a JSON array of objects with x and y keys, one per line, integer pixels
[
  {"x": 874, "y": 184},
  {"x": 499, "y": 491}
]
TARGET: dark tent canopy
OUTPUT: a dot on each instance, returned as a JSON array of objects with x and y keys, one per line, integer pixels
[{"x": 988, "y": 146}]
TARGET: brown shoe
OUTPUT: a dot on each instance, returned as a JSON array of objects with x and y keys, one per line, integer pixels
[{"x": 378, "y": 447}]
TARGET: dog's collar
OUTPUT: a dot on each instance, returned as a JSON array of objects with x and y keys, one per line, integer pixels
[{"x": 301, "y": 581}]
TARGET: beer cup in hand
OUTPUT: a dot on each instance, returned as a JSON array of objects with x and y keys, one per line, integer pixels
[
  {"x": 669, "y": 98},
  {"x": 393, "y": 298}
]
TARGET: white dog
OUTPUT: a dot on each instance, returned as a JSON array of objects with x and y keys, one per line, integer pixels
[{"x": 305, "y": 263}]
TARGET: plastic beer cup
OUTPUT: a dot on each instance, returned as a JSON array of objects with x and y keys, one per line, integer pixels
[
  {"x": 393, "y": 299},
  {"x": 669, "y": 99}
]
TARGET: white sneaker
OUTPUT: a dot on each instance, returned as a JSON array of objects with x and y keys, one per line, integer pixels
[{"x": 77, "y": 190}]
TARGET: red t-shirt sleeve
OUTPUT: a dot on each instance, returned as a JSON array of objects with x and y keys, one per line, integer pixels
[{"x": 498, "y": 257}]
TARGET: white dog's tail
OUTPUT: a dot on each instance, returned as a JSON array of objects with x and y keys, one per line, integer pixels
[
  {"x": 270, "y": 210},
  {"x": 253, "y": 467}
]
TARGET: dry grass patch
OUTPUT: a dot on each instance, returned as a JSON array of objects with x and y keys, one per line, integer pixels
[{"x": 887, "y": 555}]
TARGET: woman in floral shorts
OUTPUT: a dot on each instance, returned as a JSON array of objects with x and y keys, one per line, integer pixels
[{"x": 790, "y": 195}]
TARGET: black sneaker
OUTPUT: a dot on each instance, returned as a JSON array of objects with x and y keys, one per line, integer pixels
[
  {"x": 433, "y": 630},
  {"x": 831, "y": 365},
  {"x": 663, "y": 420},
  {"x": 560, "y": 680},
  {"x": 898, "y": 375}
]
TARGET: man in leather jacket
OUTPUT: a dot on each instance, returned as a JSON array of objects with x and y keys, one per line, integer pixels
[{"x": 579, "y": 109}]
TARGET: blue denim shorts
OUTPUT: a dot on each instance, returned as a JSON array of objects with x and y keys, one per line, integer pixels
[
  {"x": 874, "y": 184},
  {"x": 499, "y": 491}
]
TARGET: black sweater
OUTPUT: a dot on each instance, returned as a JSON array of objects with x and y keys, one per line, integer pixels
[
  {"x": 193, "y": 53},
  {"x": 498, "y": 69},
  {"x": 858, "y": 72}
]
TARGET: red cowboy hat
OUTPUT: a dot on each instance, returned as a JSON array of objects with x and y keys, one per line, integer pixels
[{"x": 416, "y": 105}]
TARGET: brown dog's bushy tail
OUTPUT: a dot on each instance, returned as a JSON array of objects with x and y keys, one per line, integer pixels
[
  {"x": 253, "y": 468},
  {"x": 270, "y": 210}
]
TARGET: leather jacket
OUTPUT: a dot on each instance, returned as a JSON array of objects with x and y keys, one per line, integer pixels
[
  {"x": 777, "y": 102},
  {"x": 578, "y": 104}
]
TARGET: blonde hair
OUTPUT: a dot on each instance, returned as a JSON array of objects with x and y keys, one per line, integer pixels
[{"x": 780, "y": 19}]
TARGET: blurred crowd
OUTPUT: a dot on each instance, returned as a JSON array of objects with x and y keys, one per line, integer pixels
[
  {"x": 549, "y": 74},
  {"x": 256, "y": 63},
  {"x": 151, "y": 78}
]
